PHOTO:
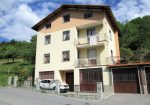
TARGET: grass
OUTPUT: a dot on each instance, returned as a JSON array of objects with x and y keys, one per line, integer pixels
[
  {"x": 19, "y": 68},
  {"x": 3, "y": 79}
]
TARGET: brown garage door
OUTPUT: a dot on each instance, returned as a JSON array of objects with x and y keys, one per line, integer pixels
[
  {"x": 126, "y": 80},
  {"x": 46, "y": 75},
  {"x": 147, "y": 71},
  {"x": 88, "y": 79}
]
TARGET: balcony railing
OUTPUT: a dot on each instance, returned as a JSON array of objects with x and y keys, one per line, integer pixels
[
  {"x": 88, "y": 62},
  {"x": 93, "y": 40},
  {"x": 128, "y": 59}
]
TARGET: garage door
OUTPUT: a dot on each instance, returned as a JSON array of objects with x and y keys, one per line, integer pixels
[
  {"x": 147, "y": 71},
  {"x": 126, "y": 80},
  {"x": 88, "y": 79},
  {"x": 46, "y": 75}
]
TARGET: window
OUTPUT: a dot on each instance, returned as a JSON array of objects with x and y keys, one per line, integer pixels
[
  {"x": 48, "y": 25},
  {"x": 66, "y": 56},
  {"x": 110, "y": 34},
  {"x": 46, "y": 58},
  {"x": 88, "y": 15},
  {"x": 66, "y": 18},
  {"x": 66, "y": 35},
  {"x": 44, "y": 81},
  {"x": 48, "y": 39}
]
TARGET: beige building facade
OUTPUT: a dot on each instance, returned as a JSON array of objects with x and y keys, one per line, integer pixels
[{"x": 74, "y": 44}]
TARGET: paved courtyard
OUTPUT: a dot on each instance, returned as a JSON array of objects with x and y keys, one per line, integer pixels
[{"x": 10, "y": 96}]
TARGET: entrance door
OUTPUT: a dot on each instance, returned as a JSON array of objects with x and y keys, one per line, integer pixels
[
  {"x": 92, "y": 57},
  {"x": 147, "y": 71},
  {"x": 90, "y": 33},
  {"x": 126, "y": 80},
  {"x": 70, "y": 80},
  {"x": 92, "y": 53}
]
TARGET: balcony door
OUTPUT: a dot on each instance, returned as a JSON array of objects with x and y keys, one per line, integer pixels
[
  {"x": 91, "y": 36},
  {"x": 91, "y": 32},
  {"x": 92, "y": 57}
]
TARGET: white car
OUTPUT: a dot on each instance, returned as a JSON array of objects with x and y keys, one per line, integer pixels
[{"x": 50, "y": 84}]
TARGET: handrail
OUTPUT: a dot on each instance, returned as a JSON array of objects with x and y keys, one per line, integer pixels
[
  {"x": 128, "y": 59},
  {"x": 92, "y": 41},
  {"x": 95, "y": 61}
]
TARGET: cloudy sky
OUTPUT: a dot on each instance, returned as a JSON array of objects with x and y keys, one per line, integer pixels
[{"x": 18, "y": 16}]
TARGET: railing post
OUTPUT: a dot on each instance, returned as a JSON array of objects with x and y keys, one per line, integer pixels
[
  {"x": 37, "y": 84},
  {"x": 9, "y": 80},
  {"x": 99, "y": 90},
  {"x": 15, "y": 81},
  {"x": 57, "y": 88}
]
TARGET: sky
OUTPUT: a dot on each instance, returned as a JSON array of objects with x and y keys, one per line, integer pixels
[{"x": 18, "y": 16}]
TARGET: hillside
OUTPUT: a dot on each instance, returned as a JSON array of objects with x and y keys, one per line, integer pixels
[
  {"x": 135, "y": 37},
  {"x": 17, "y": 58}
]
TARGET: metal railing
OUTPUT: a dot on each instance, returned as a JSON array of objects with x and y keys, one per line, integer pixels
[
  {"x": 88, "y": 62},
  {"x": 93, "y": 40},
  {"x": 128, "y": 59}
]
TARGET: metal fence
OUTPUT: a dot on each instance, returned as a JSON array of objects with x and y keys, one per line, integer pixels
[
  {"x": 88, "y": 62},
  {"x": 128, "y": 59},
  {"x": 26, "y": 84}
]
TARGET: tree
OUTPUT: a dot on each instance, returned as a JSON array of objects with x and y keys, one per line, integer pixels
[
  {"x": 10, "y": 52},
  {"x": 25, "y": 53},
  {"x": 136, "y": 35},
  {"x": 2, "y": 52},
  {"x": 126, "y": 52},
  {"x": 33, "y": 48},
  {"x": 28, "y": 50}
]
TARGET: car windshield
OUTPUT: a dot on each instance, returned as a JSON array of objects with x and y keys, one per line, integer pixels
[
  {"x": 45, "y": 81},
  {"x": 48, "y": 81}
]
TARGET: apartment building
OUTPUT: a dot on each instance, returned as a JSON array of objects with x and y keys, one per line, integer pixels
[{"x": 73, "y": 44}]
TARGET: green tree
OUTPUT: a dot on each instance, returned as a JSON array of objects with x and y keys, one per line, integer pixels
[
  {"x": 10, "y": 52},
  {"x": 33, "y": 48},
  {"x": 25, "y": 52},
  {"x": 28, "y": 50},
  {"x": 136, "y": 35}
]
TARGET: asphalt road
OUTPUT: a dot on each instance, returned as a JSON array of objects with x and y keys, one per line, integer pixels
[{"x": 11, "y": 96}]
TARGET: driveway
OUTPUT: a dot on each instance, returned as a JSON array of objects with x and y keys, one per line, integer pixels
[{"x": 10, "y": 96}]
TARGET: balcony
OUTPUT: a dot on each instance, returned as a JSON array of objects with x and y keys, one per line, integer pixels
[
  {"x": 95, "y": 40},
  {"x": 134, "y": 59},
  {"x": 88, "y": 62}
]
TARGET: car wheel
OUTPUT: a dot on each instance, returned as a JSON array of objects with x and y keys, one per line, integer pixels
[
  {"x": 41, "y": 87},
  {"x": 62, "y": 91},
  {"x": 54, "y": 87}
]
